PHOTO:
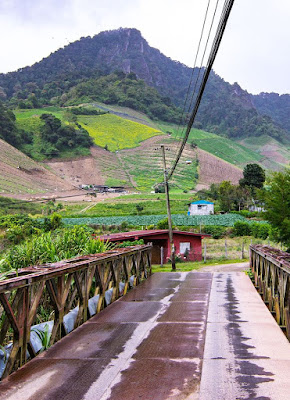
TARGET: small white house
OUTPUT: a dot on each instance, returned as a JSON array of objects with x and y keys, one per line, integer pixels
[{"x": 201, "y": 207}]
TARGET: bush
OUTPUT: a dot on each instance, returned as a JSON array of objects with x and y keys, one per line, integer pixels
[
  {"x": 52, "y": 223},
  {"x": 257, "y": 229},
  {"x": 149, "y": 227},
  {"x": 163, "y": 224},
  {"x": 124, "y": 226},
  {"x": 160, "y": 188},
  {"x": 242, "y": 229},
  {"x": 260, "y": 230},
  {"x": 217, "y": 232},
  {"x": 19, "y": 227},
  {"x": 247, "y": 213},
  {"x": 127, "y": 243},
  {"x": 15, "y": 234}
]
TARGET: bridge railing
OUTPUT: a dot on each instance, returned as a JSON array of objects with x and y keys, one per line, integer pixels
[
  {"x": 271, "y": 272},
  {"x": 61, "y": 296}
]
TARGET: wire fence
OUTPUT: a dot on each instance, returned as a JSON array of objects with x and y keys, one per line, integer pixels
[{"x": 230, "y": 248}]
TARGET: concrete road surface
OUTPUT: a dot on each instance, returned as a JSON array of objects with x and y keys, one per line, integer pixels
[{"x": 177, "y": 336}]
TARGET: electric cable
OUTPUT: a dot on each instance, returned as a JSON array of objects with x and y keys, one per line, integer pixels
[{"x": 217, "y": 40}]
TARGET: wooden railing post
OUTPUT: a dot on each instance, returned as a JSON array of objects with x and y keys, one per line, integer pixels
[
  {"x": 62, "y": 287},
  {"x": 271, "y": 270}
]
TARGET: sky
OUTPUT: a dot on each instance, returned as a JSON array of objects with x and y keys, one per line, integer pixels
[{"x": 254, "y": 51}]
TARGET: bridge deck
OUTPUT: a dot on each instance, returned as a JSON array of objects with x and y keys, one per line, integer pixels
[{"x": 195, "y": 335}]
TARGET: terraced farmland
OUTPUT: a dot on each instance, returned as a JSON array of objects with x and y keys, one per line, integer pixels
[
  {"x": 112, "y": 171},
  {"x": 219, "y": 146},
  {"x": 115, "y": 132},
  {"x": 144, "y": 220},
  {"x": 20, "y": 174},
  {"x": 146, "y": 167}
]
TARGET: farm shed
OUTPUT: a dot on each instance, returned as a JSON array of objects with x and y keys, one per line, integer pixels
[
  {"x": 201, "y": 207},
  {"x": 184, "y": 242}
]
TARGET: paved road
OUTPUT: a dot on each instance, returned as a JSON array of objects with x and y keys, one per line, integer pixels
[{"x": 196, "y": 335}]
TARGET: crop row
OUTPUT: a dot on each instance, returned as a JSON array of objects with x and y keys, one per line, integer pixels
[{"x": 143, "y": 220}]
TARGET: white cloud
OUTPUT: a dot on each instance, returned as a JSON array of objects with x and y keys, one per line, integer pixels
[{"x": 253, "y": 52}]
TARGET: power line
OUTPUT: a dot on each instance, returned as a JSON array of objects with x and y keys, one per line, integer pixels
[
  {"x": 216, "y": 43},
  {"x": 194, "y": 66},
  {"x": 198, "y": 74}
]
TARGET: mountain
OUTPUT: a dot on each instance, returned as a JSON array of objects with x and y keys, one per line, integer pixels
[
  {"x": 225, "y": 109},
  {"x": 275, "y": 106}
]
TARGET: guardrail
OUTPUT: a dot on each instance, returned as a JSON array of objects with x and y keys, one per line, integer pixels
[
  {"x": 271, "y": 272},
  {"x": 63, "y": 295}
]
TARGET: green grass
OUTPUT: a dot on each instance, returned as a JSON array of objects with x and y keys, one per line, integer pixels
[
  {"x": 29, "y": 120},
  {"x": 22, "y": 114},
  {"x": 119, "y": 208},
  {"x": 13, "y": 206},
  {"x": 115, "y": 132},
  {"x": 219, "y": 146},
  {"x": 156, "y": 196},
  {"x": 191, "y": 266},
  {"x": 115, "y": 182},
  {"x": 125, "y": 112}
]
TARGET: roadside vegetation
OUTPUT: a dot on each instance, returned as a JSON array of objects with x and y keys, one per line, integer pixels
[
  {"x": 30, "y": 241},
  {"x": 49, "y": 236}
]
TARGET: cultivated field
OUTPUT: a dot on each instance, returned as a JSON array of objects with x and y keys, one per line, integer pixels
[
  {"x": 145, "y": 220},
  {"x": 219, "y": 146},
  {"x": 20, "y": 174},
  {"x": 135, "y": 157},
  {"x": 115, "y": 132},
  {"x": 275, "y": 155}
]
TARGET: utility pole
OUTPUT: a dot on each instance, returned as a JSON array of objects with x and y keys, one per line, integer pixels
[{"x": 172, "y": 249}]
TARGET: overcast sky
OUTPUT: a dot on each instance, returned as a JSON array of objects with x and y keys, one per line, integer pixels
[{"x": 254, "y": 52}]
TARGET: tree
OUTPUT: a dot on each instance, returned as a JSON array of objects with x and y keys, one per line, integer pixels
[
  {"x": 139, "y": 208},
  {"x": 8, "y": 130},
  {"x": 227, "y": 196},
  {"x": 277, "y": 205},
  {"x": 254, "y": 176}
]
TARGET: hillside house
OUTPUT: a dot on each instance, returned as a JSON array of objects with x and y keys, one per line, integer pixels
[
  {"x": 186, "y": 244},
  {"x": 201, "y": 207}
]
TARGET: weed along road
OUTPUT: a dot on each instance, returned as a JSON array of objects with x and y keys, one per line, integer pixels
[{"x": 194, "y": 335}]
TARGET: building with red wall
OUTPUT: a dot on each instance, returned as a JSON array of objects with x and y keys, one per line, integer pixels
[{"x": 188, "y": 243}]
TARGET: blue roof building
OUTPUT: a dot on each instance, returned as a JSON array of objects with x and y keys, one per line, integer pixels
[
  {"x": 201, "y": 207},
  {"x": 202, "y": 202}
]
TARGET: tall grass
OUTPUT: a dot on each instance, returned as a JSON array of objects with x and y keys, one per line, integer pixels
[{"x": 52, "y": 247}]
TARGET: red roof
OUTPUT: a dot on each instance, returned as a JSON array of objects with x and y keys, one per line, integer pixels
[{"x": 154, "y": 232}]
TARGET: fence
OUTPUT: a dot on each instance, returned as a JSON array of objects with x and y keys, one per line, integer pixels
[
  {"x": 271, "y": 271},
  {"x": 64, "y": 295}
]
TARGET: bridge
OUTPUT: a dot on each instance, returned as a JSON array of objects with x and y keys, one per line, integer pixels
[{"x": 197, "y": 335}]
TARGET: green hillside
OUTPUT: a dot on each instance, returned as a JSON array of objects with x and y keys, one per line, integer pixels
[
  {"x": 274, "y": 154},
  {"x": 96, "y": 69},
  {"x": 107, "y": 129},
  {"x": 136, "y": 162},
  {"x": 219, "y": 146}
]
